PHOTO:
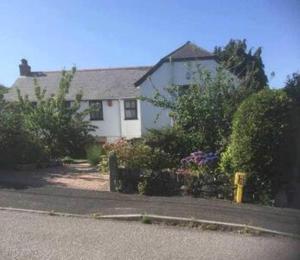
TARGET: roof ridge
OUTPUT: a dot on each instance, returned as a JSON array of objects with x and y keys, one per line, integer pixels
[{"x": 100, "y": 69}]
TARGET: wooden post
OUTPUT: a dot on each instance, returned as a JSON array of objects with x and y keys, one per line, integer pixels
[{"x": 113, "y": 171}]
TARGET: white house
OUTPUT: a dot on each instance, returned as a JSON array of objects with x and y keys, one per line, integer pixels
[{"x": 115, "y": 91}]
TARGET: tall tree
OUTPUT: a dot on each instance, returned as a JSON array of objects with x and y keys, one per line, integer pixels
[{"x": 246, "y": 64}]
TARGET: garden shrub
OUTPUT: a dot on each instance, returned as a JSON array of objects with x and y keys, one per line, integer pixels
[
  {"x": 158, "y": 183},
  {"x": 17, "y": 144},
  {"x": 201, "y": 177},
  {"x": 93, "y": 154},
  {"x": 260, "y": 142},
  {"x": 131, "y": 155},
  {"x": 172, "y": 143}
]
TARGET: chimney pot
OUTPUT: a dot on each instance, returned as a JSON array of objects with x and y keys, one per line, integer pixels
[{"x": 25, "y": 69}]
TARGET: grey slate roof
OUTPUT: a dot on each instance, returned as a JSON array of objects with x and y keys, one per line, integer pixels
[
  {"x": 110, "y": 83},
  {"x": 188, "y": 51}
]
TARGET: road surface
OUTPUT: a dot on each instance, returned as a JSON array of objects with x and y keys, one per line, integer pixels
[{"x": 35, "y": 236}]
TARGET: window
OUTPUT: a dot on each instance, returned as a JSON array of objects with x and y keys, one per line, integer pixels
[
  {"x": 68, "y": 104},
  {"x": 97, "y": 110},
  {"x": 182, "y": 89},
  {"x": 130, "y": 108}
]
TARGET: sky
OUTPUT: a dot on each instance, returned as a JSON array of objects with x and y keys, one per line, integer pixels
[{"x": 53, "y": 35}]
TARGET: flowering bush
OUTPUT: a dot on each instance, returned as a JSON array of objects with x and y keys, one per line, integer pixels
[
  {"x": 197, "y": 162},
  {"x": 200, "y": 175},
  {"x": 130, "y": 155}
]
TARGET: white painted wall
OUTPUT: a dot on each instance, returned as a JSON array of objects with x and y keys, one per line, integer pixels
[
  {"x": 113, "y": 126},
  {"x": 130, "y": 128},
  {"x": 168, "y": 74}
]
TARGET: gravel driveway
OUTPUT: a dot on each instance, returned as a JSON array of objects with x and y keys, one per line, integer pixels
[{"x": 77, "y": 176}]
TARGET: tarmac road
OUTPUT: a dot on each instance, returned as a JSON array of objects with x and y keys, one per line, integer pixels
[
  {"x": 34, "y": 236},
  {"x": 76, "y": 201}
]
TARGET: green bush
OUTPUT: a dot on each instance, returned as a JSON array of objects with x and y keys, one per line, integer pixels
[
  {"x": 17, "y": 144},
  {"x": 260, "y": 143},
  {"x": 169, "y": 146},
  {"x": 93, "y": 154},
  {"x": 158, "y": 183}
]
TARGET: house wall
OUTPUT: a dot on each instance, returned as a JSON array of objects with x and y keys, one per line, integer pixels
[
  {"x": 169, "y": 73},
  {"x": 113, "y": 126},
  {"x": 130, "y": 128}
]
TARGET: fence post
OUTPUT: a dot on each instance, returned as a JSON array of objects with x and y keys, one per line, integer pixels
[{"x": 113, "y": 171}]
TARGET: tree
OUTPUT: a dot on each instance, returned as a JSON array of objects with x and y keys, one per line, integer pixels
[
  {"x": 246, "y": 64},
  {"x": 260, "y": 142},
  {"x": 62, "y": 129},
  {"x": 292, "y": 88},
  {"x": 204, "y": 110}
]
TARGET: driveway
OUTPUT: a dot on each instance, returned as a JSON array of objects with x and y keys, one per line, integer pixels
[{"x": 77, "y": 176}]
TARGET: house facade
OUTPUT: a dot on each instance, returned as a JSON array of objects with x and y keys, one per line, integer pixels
[{"x": 116, "y": 91}]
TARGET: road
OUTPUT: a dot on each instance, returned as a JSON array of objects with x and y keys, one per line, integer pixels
[
  {"x": 76, "y": 201},
  {"x": 34, "y": 236}
]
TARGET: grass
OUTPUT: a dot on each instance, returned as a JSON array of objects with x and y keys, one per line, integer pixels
[{"x": 146, "y": 220}]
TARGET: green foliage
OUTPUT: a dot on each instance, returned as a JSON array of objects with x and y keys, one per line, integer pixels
[
  {"x": 292, "y": 89},
  {"x": 103, "y": 164},
  {"x": 169, "y": 146},
  {"x": 146, "y": 220},
  {"x": 260, "y": 142},
  {"x": 204, "y": 111},
  {"x": 246, "y": 64},
  {"x": 158, "y": 183},
  {"x": 61, "y": 129},
  {"x": 17, "y": 144},
  {"x": 93, "y": 154},
  {"x": 135, "y": 154}
]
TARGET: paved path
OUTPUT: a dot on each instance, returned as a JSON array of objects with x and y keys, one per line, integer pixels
[
  {"x": 33, "y": 236},
  {"x": 76, "y": 176},
  {"x": 88, "y": 202}
]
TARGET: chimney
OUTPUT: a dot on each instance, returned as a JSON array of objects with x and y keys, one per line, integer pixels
[{"x": 25, "y": 69}]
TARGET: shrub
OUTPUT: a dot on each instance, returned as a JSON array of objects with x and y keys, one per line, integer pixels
[
  {"x": 171, "y": 144},
  {"x": 158, "y": 183},
  {"x": 259, "y": 142},
  {"x": 201, "y": 176},
  {"x": 136, "y": 155},
  {"x": 93, "y": 154},
  {"x": 17, "y": 145}
]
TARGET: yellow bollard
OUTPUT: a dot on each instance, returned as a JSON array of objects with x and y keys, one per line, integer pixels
[{"x": 239, "y": 182}]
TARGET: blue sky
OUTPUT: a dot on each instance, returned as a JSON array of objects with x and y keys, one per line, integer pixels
[{"x": 91, "y": 34}]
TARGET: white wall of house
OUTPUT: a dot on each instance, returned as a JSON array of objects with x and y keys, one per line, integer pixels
[
  {"x": 114, "y": 125},
  {"x": 131, "y": 128},
  {"x": 168, "y": 74}
]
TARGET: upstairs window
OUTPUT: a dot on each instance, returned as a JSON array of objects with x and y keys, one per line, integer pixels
[
  {"x": 183, "y": 89},
  {"x": 96, "y": 110},
  {"x": 130, "y": 108},
  {"x": 68, "y": 104}
]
